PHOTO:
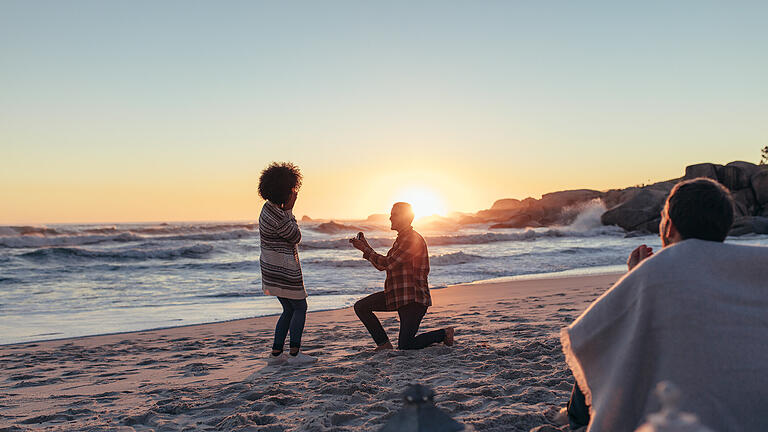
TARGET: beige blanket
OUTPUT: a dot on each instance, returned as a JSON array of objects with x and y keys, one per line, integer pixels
[{"x": 696, "y": 314}]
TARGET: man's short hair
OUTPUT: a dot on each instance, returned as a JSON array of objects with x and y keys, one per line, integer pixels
[
  {"x": 278, "y": 180},
  {"x": 701, "y": 208},
  {"x": 405, "y": 207}
]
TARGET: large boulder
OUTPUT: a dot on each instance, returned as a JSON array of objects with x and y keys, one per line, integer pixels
[
  {"x": 335, "y": 228},
  {"x": 748, "y": 167},
  {"x": 567, "y": 198},
  {"x": 749, "y": 225},
  {"x": 707, "y": 170},
  {"x": 521, "y": 221},
  {"x": 733, "y": 177},
  {"x": 759, "y": 183},
  {"x": 506, "y": 204},
  {"x": 638, "y": 212},
  {"x": 744, "y": 202},
  {"x": 614, "y": 197},
  {"x": 498, "y": 215},
  {"x": 664, "y": 186}
]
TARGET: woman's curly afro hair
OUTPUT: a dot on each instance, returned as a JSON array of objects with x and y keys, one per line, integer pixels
[{"x": 278, "y": 180}]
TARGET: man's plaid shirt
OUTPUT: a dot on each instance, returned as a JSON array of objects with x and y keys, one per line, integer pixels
[{"x": 407, "y": 266}]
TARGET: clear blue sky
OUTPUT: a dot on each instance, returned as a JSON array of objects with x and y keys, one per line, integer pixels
[{"x": 146, "y": 110}]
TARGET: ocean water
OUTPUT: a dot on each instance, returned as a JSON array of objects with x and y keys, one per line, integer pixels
[{"x": 61, "y": 281}]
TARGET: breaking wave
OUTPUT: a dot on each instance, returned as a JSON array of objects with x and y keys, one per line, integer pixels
[
  {"x": 62, "y": 240},
  {"x": 63, "y": 253}
]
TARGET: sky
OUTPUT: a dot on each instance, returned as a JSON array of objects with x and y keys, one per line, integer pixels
[{"x": 117, "y": 111}]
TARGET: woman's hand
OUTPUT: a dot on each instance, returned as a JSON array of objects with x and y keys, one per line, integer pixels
[{"x": 291, "y": 201}]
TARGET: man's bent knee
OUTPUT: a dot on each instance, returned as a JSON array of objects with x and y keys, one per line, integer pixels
[{"x": 359, "y": 308}]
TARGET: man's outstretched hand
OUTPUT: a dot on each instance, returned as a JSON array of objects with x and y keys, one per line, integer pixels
[
  {"x": 360, "y": 243},
  {"x": 639, "y": 254}
]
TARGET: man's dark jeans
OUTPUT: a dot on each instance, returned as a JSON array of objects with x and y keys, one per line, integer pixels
[
  {"x": 293, "y": 317},
  {"x": 410, "y": 319}
]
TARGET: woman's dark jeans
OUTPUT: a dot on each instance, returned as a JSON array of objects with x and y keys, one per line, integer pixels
[
  {"x": 410, "y": 319},
  {"x": 293, "y": 317}
]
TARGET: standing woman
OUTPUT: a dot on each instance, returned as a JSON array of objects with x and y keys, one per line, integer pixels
[{"x": 280, "y": 268}]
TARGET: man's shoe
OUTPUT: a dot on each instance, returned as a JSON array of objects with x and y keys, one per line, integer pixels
[
  {"x": 300, "y": 359},
  {"x": 449, "y": 332},
  {"x": 273, "y": 360}
]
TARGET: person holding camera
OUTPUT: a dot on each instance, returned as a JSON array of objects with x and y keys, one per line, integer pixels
[{"x": 405, "y": 288}]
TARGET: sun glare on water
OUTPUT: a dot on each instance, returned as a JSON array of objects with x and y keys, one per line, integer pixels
[{"x": 425, "y": 201}]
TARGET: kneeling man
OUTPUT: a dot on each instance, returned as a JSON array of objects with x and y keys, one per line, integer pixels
[{"x": 405, "y": 288}]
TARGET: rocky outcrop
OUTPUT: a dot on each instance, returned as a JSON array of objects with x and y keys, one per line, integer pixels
[
  {"x": 749, "y": 225},
  {"x": 733, "y": 177},
  {"x": 634, "y": 209},
  {"x": 759, "y": 183},
  {"x": 335, "y": 228},
  {"x": 558, "y": 200},
  {"x": 640, "y": 213},
  {"x": 506, "y": 204},
  {"x": 519, "y": 221},
  {"x": 530, "y": 212},
  {"x": 707, "y": 170},
  {"x": 637, "y": 208}
]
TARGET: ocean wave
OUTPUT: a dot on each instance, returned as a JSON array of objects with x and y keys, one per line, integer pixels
[
  {"x": 226, "y": 235},
  {"x": 441, "y": 240},
  {"x": 27, "y": 230},
  {"x": 384, "y": 242},
  {"x": 61, "y": 240},
  {"x": 353, "y": 263},
  {"x": 54, "y": 253},
  {"x": 30, "y": 241},
  {"x": 456, "y": 258},
  {"x": 527, "y": 235},
  {"x": 164, "y": 229}
]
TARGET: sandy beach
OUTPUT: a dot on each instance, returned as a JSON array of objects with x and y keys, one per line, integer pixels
[{"x": 505, "y": 371}]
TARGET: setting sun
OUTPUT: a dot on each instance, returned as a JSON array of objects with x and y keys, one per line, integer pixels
[{"x": 425, "y": 201}]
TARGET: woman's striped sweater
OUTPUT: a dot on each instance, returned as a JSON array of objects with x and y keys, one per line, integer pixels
[{"x": 279, "y": 260}]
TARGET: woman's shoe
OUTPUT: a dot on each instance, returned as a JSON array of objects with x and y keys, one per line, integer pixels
[{"x": 300, "y": 359}]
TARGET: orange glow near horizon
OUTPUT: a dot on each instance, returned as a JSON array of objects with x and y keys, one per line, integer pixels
[{"x": 425, "y": 201}]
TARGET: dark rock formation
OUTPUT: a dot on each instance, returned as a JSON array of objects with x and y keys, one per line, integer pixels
[
  {"x": 519, "y": 221},
  {"x": 707, "y": 170},
  {"x": 506, "y": 204},
  {"x": 744, "y": 202},
  {"x": 334, "y": 228},
  {"x": 636, "y": 208},
  {"x": 733, "y": 177},
  {"x": 749, "y": 225},
  {"x": 640, "y": 213},
  {"x": 569, "y": 197},
  {"x": 759, "y": 182},
  {"x": 378, "y": 218}
]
